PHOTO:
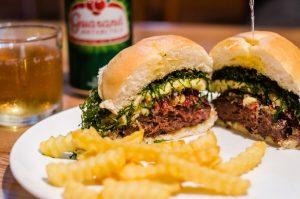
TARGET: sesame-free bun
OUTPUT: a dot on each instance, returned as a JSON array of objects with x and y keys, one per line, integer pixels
[
  {"x": 269, "y": 53},
  {"x": 149, "y": 59}
]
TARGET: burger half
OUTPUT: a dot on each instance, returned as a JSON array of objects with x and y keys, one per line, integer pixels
[
  {"x": 159, "y": 84},
  {"x": 259, "y": 82}
]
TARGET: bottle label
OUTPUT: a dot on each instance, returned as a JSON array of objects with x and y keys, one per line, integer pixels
[{"x": 98, "y": 22}]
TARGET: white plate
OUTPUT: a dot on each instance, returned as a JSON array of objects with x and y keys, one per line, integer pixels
[{"x": 277, "y": 177}]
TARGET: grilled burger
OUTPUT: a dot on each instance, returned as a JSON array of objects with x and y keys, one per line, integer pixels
[
  {"x": 259, "y": 84},
  {"x": 159, "y": 84}
]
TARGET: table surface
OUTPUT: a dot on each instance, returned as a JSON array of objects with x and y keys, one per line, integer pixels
[{"x": 206, "y": 35}]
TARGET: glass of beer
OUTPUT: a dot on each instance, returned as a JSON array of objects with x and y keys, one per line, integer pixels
[{"x": 30, "y": 73}]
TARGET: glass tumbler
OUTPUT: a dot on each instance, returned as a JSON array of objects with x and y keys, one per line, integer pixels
[{"x": 30, "y": 73}]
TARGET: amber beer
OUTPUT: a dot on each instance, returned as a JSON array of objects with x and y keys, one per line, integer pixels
[
  {"x": 97, "y": 31},
  {"x": 30, "y": 81}
]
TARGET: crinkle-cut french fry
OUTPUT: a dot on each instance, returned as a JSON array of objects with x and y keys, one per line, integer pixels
[
  {"x": 208, "y": 178},
  {"x": 134, "y": 152},
  {"x": 204, "y": 150},
  {"x": 96, "y": 144},
  {"x": 91, "y": 131},
  {"x": 206, "y": 140},
  {"x": 245, "y": 161},
  {"x": 208, "y": 157},
  {"x": 75, "y": 190},
  {"x": 202, "y": 142},
  {"x": 56, "y": 146},
  {"x": 170, "y": 145},
  {"x": 135, "y": 137},
  {"x": 89, "y": 170},
  {"x": 136, "y": 172},
  {"x": 141, "y": 152},
  {"x": 81, "y": 155},
  {"x": 89, "y": 142},
  {"x": 150, "y": 153},
  {"x": 142, "y": 189}
]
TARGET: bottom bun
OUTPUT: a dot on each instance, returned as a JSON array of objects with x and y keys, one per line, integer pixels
[
  {"x": 188, "y": 131},
  {"x": 240, "y": 129}
]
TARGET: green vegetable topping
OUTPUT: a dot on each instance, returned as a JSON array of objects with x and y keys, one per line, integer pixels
[
  {"x": 260, "y": 87},
  {"x": 92, "y": 114},
  {"x": 105, "y": 122}
]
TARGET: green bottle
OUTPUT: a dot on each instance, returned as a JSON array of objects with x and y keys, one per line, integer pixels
[{"x": 97, "y": 31}]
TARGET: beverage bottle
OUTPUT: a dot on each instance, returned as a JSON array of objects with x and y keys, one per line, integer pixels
[{"x": 97, "y": 31}]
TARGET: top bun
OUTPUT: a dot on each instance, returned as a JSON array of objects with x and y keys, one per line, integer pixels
[
  {"x": 269, "y": 53},
  {"x": 149, "y": 59}
]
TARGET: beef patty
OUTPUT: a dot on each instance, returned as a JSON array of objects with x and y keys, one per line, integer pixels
[
  {"x": 255, "y": 117},
  {"x": 174, "y": 113}
]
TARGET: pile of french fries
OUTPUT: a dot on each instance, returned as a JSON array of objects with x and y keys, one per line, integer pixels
[{"x": 129, "y": 168}]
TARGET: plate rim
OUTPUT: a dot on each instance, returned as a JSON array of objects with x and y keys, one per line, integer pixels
[{"x": 14, "y": 164}]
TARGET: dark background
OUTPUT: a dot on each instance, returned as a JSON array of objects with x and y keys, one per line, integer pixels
[{"x": 267, "y": 12}]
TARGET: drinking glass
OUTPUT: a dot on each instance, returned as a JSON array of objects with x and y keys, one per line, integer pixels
[{"x": 30, "y": 73}]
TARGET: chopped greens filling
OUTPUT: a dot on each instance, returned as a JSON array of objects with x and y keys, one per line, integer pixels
[
  {"x": 92, "y": 114},
  {"x": 106, "y": 123},
  {"x": 249, "y": 81}
]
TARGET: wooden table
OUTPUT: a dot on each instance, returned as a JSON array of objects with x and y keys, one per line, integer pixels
[{"x": 206, "y": 35}]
